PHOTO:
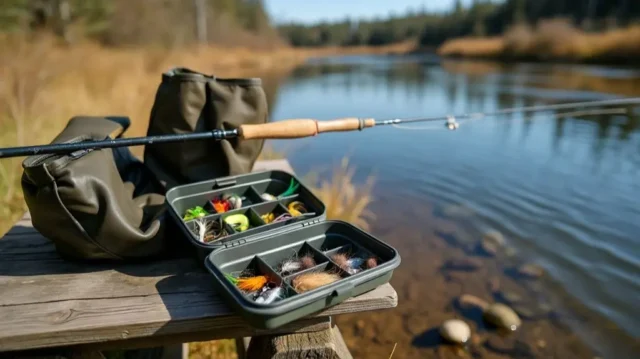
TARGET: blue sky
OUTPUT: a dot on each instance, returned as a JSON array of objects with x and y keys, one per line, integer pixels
[{"x": 311, "y": 11}]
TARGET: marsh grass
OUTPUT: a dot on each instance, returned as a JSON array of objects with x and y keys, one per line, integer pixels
[
  {"x": 551, "y": 40},
  {"x": 344, "y": 198}
]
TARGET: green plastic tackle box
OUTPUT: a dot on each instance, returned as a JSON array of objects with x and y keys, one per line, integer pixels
[{"x": 263, "y": 247}]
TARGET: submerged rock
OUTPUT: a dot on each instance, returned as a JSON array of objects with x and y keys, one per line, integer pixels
[
  {"x": 494, "y": 237},
  {"x": 491, "y": 243},
  {"x": 488, "y": 248},
  {"x": 463, "y": 264},
  {"x": 502, "y": 316},
  {"x": 530, "y": 271},
  {"x": 455, "y": 331},
  {"x": 509, "y": 297},
  {"x": 468, "y": 301}
]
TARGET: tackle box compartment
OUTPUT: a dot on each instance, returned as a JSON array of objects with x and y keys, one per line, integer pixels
[
  {"x": 250, "y": 187},
  {"x": 262, "y": 249}
]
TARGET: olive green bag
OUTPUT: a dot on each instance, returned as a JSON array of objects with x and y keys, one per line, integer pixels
[
  {"x": 187, "y": 101},
  {"x": 96, "y": 204}
]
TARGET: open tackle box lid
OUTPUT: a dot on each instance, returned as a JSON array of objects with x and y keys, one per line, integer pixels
[{"x": 263, "y": 247}]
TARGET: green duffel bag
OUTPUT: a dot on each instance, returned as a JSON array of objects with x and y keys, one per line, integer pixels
[
  {"x": 187, "y": 101},
  {"x": 96, "y": 204}
]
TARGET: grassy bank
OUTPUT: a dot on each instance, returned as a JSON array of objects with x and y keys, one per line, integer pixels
[
  {"x": 43, "y": 84},
  {"x": 551, "y": 40}
]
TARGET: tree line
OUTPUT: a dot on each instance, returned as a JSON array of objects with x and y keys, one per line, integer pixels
[
  {"x": 138, "y": 22},
  {"x": 481, "y": 18}
]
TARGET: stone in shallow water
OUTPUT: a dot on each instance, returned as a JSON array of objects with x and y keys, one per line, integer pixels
[
  {"x": 502, "y": 316},
  {"x": 509, "y": 297},
  {"x": 530, "y": 271},
  {"x": 489, "y": 248},
  {"x": 468, "y": 301},
  {"x": 491, "y": 242},
  {"x": 463, "y": 264},
  {"x": 494, "y": 237},
  {"x": 455, "y": 331}
]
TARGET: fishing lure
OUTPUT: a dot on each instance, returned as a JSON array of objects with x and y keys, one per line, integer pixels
[
  {"x": 283, "y": 217},
  {"x": 220, "y": 206},
  {"x": 195, "y": 212},
  {"x": 248, "y": 284},
  {"x": 349, "y": 265},
  {"x": 209, "y": 231},
  {"x": 310, "y": 281},
  {"x": 308, "y": 262},
  {"x": 290, "y": 266},
  {"x": 226, "y": 203},
  {"x": 268, "y": 218},
  {"x": 296, "y": 208},
  {"x": 268, "y": 197},
  {"x": 239, "y": 222},
  {"x": 234, "y": 200},
  {"x": 270, "y": 295},
  {"x": 293, "y": 187}
]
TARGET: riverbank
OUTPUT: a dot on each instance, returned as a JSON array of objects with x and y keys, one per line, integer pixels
[{"x": 551, "y": 41}]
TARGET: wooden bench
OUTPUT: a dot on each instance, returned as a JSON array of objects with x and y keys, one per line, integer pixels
[{"x": 47, "y": 303}]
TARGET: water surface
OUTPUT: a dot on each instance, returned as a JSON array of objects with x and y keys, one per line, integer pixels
[{"x": 564, "y": 190}]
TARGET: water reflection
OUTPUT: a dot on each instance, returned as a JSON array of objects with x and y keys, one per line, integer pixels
[{"x": 459, "y": 87}]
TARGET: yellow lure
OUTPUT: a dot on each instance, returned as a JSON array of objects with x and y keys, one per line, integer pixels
[{"x": 239, "y": 222}]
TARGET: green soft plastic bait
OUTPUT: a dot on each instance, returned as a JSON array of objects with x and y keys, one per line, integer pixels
[
  {"x": 239, "y": 222},
  {"x": 195, "y": 212}
]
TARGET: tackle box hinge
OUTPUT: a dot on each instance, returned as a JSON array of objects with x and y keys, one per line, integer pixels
[{"x": 224, "y": 182}]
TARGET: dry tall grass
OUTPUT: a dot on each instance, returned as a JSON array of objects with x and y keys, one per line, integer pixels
[
  {"x": 556, "y": 40},
  {"x": 344, "y": 199}
]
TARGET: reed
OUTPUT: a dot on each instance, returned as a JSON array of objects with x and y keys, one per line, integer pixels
[{"x": 344, "y": 198}]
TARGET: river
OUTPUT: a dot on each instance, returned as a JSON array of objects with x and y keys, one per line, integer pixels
[{"x": 563, "y": 190}]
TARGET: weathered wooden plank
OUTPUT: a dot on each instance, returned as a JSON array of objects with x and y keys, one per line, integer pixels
[
  {"x": 48, "y": 302},
  {"x": 301, "y": 326},
  {"x": 98, "y": 320}
]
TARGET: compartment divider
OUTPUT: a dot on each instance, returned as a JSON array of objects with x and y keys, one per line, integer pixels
[
  {"x": 318, "y": 253},
  {"x": 260, "y": 195},
  {"x": 256, "y": 200},
  {"x": 268, "y": 271},
  {"x": 347, "y": 248},
  {"x": 257, "y": 216}
]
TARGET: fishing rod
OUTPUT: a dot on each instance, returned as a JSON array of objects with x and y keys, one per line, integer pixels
[{"x": 293, "y": 128}]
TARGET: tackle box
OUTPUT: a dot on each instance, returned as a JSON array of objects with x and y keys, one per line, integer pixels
[{"x": 263, "y": 247}]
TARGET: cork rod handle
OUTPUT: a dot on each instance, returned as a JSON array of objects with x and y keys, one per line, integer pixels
[{"x": 298, "y": 128}]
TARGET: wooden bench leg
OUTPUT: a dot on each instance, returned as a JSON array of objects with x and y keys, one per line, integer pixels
[
  {"x": 242, "y": 344},
  {"x": 326, "y": 343}
]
